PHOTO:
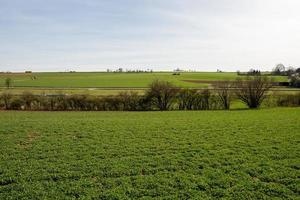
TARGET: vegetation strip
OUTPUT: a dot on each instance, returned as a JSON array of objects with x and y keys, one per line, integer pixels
[{"x": 134, "y": 155}]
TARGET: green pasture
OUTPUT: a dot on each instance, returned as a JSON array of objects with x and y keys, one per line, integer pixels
[
  {"x": 242, "y": 154},
  {"x": 69, "y": 91},
  {"x": 108, "y": 91},
  {"x": 111, "y": 80}
]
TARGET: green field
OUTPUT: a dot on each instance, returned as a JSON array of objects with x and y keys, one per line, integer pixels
[
  {"x": 70, "y": 91},
  {"x": 103, "y": 84},
  {"x": 115, "y": 80},
  {"x": 245, "y": 154}
]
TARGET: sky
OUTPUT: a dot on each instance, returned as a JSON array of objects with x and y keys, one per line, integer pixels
[{"x": 95, "y": 35}]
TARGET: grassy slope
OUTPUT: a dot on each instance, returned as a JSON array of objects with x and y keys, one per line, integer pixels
[
  {"x": 113, "y": 79},
  {"x": 235, "y": 154}
]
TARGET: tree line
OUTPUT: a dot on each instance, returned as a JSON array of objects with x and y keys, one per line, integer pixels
[
  {"x": 161, "y": 95},
  {"x": 292, "y": 73}
]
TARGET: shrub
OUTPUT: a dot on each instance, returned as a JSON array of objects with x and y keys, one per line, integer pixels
[
  {"x": 205, "y": 101},
  {"x": 129, "y": 101},
  {"x": 28, "y": 100},
  {"x": 16, "y": 104},
  {"x": 6, "y": 98},
  {"x": 252, "y": 90},
  {"x": 191, "y": 99},
  {"x": 162, "y": 94},
  {"x": 289, "y": 100},
  {"x": 223, "y": 91},
  {"x": 186, "y": 99},
  {"x": 295, "y": 80}
]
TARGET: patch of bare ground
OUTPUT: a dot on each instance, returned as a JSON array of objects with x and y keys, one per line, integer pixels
[{"x": 27, "y": 142}]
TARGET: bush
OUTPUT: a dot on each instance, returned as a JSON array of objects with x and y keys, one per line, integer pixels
[
  {"x": 295, "y": 80},
  {"x": 16, "y": 104},
  {"x": 252, "y": 90},
  {"x": 223, "y": 91},
  {"x": 129, "y": 101},
  {"x": 186, "y": 99},
  {"x": 162, "y": 94},
  {"x": 6, "y": 98},
  {"x": 191, "y": 99},
  {"x": 291, "y": 100},
  {"x": 28, "y": 100}
]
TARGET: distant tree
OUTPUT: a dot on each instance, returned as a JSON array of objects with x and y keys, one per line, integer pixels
[
  {"x": 162, "y": 94},
  {"x": 253, "y": 72},
  {"x": 252, "y": 90},
  {"x": 295, "y": 80},
  {"x": 8, "y": 82},
  {"x": 279, "y": 69},
  {"x": 290, "y": 70},
  {"x": 223, "y": 91}
]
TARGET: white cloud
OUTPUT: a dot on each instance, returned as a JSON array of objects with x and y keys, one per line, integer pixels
[{"x": 210, "y": 34}]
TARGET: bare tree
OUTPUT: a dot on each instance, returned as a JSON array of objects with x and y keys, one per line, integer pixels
[
  {"x": 129, "y": 100},
  {"x": 223, "y": 91},
  {"x": 162, "y": 94},
  {"x": 279, "y": 69},
  {"x": 8, "y": 82},
  {"x": 186, "y": 98},
  {"x": 252, "y": 90}
]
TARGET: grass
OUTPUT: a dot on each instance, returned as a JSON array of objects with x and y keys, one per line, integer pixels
[
  {"x": 170, "y": 155},
  {"x": 96, "y": 83},
  {"x": 55, "y": 91},
  {"x": 110, "y": 80},
  {"x": 107, "y": 91}
]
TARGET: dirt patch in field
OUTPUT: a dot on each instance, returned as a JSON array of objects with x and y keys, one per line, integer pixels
[
  {"x": 222, "y": 81},
  {"x": 27, "y": 142},
  {"x": 204, "y": 81}
]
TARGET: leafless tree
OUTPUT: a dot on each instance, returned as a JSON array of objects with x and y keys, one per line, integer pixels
[
  {"x": 162, "y": 94},
  {"x": 223, "y": 91},
  {"x": 252, "y": 90},
  {"x": 129, "y": 100},
  {"x": 279, "y": 69},
  {"x": 186, "y": 98}
]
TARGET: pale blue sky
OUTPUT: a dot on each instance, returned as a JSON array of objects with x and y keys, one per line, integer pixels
[{"x": 93, "y": 35}]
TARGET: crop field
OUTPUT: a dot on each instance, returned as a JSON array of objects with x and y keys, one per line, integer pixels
[
  {"x": 116, "y": 80},
  {"x": 241, "y": 154},
  {"x": 103, "y": 84},
  {"x": 70, "y": 91}
]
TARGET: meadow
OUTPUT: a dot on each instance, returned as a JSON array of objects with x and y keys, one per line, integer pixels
[
  {"x": 104, "y": 84},
  {"x": 241, "y": 154},
  {"x": 116, "y": 80}
]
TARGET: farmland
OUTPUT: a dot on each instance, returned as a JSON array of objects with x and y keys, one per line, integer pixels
[
  {"x": 115, "y": 80},
  {"x": 241, "y": 154},
  {"x": 103, "y": 84}
]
